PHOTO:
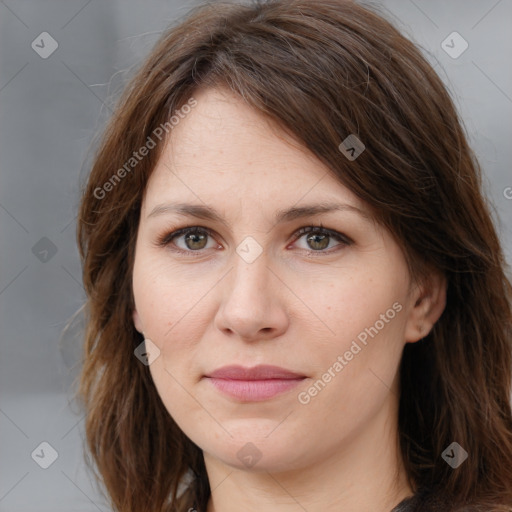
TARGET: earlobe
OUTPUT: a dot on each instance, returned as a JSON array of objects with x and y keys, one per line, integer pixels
[
  {"x": 137, "y": 322},
  {"x": 429, "y": 304}
]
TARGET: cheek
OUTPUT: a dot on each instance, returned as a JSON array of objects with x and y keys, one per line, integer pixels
[
  {"x": 352, "y": 303},
  {"x": 171, "y": 305},
  {"x": 357, "y": 356},
  {"x": 168, "y": 299},
  {"x": 174, "y": 316}
]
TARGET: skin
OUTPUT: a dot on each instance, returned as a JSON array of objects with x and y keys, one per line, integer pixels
[{"x": 293, "y": 306}]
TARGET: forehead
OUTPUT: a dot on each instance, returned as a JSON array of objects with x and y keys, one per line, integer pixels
[{"x": 225, "y": 150}]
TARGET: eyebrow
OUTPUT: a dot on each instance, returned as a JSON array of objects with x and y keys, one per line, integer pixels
[{"x": 285, "y": 215}]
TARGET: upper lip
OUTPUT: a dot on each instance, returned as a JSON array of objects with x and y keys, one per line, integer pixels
[{"x": 260, "y": 372}]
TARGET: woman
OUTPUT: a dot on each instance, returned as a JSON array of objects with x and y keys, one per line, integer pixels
[{"x": 296, "y": 295}]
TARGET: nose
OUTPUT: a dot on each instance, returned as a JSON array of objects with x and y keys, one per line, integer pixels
[{"x": 252, "y": 302}]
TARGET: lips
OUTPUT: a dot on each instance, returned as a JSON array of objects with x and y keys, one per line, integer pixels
[
  {"x": 262, "y": 372},
  {"x": 254, "y": 384}
]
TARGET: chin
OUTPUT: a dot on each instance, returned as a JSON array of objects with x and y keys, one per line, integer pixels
[{"x": 248, "y": 451}]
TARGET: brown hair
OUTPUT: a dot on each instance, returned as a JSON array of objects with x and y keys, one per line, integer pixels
[{"x": 321, "y": 71}]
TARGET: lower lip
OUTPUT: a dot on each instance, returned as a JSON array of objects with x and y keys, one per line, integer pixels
[{"x": 254, "y": 390}]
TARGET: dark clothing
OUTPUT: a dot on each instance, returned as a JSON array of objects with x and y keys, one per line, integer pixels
[
  {"x": 405, "y": 506},
  {"x": 431, "y": 502},
  {"x": 408, "y": 505},
  {"x": 422, "y": 501}
]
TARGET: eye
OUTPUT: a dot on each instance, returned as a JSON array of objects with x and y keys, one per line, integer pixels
[
  {"x": 319, "y": 238},
  {"x": 194, "y": 239}
]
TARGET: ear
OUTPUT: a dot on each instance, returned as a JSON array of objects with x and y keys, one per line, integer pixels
[
  {"x": 137, "y": 321},
  {"x": 429, "y": 301}
]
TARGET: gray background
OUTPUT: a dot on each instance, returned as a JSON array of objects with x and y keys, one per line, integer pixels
[{"x": 51, "y": 108}]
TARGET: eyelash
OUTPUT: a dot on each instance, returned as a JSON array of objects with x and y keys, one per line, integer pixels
[{"x": 166, "y": 238}]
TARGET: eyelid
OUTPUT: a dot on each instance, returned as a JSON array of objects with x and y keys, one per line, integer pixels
[
  {"x": 167, "y": 238},
  {"x": 320, "y": 228}
]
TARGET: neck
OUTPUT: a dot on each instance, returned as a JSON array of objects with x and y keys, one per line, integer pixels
[{"x": 364, "y": 473}]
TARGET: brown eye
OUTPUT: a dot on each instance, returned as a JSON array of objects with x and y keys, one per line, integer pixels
[
  {"x": 319, "y": 238},
  {"x": 186, "y": 240},
  {"x": 195, "y": 240},
  {"x": 318, "y": 241}
]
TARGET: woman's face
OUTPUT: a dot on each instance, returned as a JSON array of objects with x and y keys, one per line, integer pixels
[{"x": 333, "y": 309}]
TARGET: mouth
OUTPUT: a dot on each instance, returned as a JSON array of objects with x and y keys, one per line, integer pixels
[{"x": 253, "y": 384}]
